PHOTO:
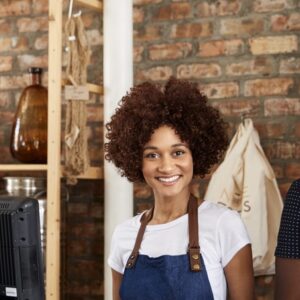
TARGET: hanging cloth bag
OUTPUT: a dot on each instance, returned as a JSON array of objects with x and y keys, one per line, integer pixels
[{"x": 245, "y": 182}]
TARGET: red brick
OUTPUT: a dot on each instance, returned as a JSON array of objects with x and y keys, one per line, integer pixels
[
  {"x": 238, "y": 107},
  {"x": 160, "y": 73},
  {"x": 297, "y": 129},
  {"x": 271, "y": 5},
  {"x": 221, "y": 47},
  {"x": 282, "y": 106},
  {"x": 6, "y": 157},
  {"x": 94, "y": 113},
  {"x": 220, "y": 8},
  {"x": 292, "y": 170},
  {"x": 257, "y": 66},
  {"x": 13, "y": 82},
  {"x": 270, "y": 129},
  {"x": 147, "y": 33},
  {"x": 40, "y": 6},
  {"x": 138, "y": 15},
  {"x": 15, "y": 8},
  {"x": 86, "y": 230},
  {"x": 220, "y": 90},
  {"x": 77, "y": 209},
  {"x": 190, "y": 30},
  {"x": 283, "y": 150},
  {"x": 173, "y": 11},
  {"x": 138, "y": 53},
  {"x": 25, "y": 61},
  {"x": 19, "y": 43},
  {"x": 96, "y": 210},
  {"x": 273, "y": 44},
  {"x": 81, "y": 266},
  {"x": 290, "y": 66},
  {"x": 6, "y": 26},
  {"x": 5, "y": 100},
  {"x": 273, "y": 86},
  {"x": 142, "y": 190},
  {"x": 5, "y": 44},
  {"x": 96, "y": 154},
  {"x": 248, "y": 26},
  {"x": 169, "y": 51},
  {"x": 32, "y": 24},
  {"x": 41, "y": 42},
  {"x": 198, "y": 71},
  {"x": 278, "y": 171},
  {"x": 6, "y": 63},
  {"x": 286, "y": 22},
  {"x": 143, "y": 2}
]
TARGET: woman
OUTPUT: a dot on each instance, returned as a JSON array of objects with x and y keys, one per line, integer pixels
[
  {"x": 165, "y": 138},
  {"x": 288, "y": 247}
]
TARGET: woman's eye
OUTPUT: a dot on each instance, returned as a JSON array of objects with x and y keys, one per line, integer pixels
[
  {"x": 178, "y": 153},
  {"x": 151, "y": 155}
]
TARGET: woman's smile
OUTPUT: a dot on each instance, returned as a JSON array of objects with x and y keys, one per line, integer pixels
[{"x": 169, "y": 180}]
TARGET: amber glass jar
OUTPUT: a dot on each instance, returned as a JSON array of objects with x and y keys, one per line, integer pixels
[{"x": 28, "y": 142}]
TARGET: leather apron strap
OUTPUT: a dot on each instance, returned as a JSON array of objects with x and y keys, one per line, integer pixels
[{"x": 193, "y": 247}]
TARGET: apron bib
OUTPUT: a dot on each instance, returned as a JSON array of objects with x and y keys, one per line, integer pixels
[{"x": 179, "y": 277}]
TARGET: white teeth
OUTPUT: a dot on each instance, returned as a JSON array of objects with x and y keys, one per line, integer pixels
[{"x": 168, "y": 179}]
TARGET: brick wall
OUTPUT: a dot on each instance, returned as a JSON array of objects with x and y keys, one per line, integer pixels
[
  {"x": 245, "y": 56},
  {"x": 24, "y": 43}
]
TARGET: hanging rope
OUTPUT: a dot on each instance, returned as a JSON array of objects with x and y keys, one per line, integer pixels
[{"x": 78, "y": 54}]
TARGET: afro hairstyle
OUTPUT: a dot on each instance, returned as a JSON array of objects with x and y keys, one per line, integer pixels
[{"x": 179, "y": 105}]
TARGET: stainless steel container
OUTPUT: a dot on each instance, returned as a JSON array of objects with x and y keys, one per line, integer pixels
[{"x": 35, "y": 187}]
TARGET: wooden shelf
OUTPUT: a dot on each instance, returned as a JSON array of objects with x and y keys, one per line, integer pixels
[
  {"x": 91, "y": 173},
  {"x": 23, "y": 167},
  {"x": 94, "y": 4}
]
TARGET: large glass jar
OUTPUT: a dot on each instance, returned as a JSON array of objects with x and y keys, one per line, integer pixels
[{"x": 28, "y": 142}]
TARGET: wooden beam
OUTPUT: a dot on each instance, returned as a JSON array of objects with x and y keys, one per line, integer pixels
[
  {"x": 94, "y": 4},
  {"x": 54, "y": 133}
]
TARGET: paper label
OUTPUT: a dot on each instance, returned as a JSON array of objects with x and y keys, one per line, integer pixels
[
  {"x": 79, "y": 92},
  {"x": 11, "y": 292}
]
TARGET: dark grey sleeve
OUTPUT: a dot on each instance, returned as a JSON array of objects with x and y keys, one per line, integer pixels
[{"x": 288, "y": 243}]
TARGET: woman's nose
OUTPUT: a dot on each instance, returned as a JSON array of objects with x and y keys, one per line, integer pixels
[{"x": 166, "y": 165}]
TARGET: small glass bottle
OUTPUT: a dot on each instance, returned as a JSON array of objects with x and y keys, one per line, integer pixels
[{"x": 28, "y": 142}]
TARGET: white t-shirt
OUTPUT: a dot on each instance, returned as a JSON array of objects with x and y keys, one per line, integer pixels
[{"x": 221, "y": 231}]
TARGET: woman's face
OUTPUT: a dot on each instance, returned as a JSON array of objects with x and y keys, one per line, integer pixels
[{"x": 167, "y": 163}]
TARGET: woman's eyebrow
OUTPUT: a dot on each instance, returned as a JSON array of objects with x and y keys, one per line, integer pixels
[{"x": 173, "y": 146}]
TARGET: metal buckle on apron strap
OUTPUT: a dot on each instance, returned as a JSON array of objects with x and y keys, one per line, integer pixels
[
  {"x": 131, "y": 260},
  {"x": 194, "y": 256}
]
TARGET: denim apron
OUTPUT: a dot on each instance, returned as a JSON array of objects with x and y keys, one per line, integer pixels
[{"x": 181, "y": 277}]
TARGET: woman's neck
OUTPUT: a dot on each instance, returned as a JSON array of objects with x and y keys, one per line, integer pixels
[{"x": 168, "y": 209}]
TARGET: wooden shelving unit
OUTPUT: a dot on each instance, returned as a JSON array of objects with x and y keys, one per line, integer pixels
[{"x": 53, "y": 168}]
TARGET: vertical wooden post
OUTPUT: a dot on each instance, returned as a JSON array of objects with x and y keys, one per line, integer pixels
[{"x": 54, "y": 134}]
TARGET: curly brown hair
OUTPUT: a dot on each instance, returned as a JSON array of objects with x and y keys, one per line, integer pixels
[{"x": 179, "y": 105}]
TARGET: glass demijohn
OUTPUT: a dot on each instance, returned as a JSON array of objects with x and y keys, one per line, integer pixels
[{"x": 28, "y": 142}]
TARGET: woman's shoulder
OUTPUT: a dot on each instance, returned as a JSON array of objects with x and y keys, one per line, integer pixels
[{"x": 129, "y": 224}]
